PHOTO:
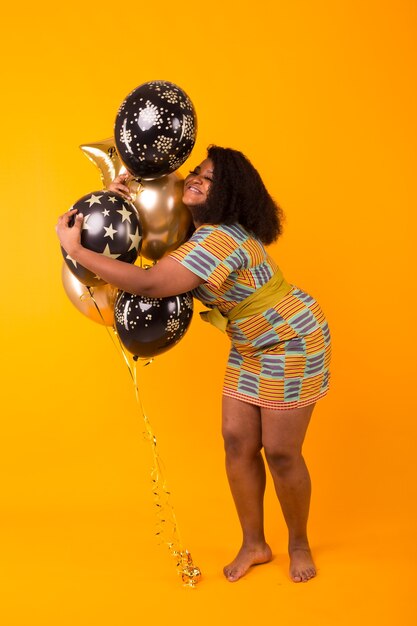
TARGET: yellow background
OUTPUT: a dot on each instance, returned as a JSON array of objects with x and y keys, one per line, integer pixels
[{"x": 322, "y": 97}]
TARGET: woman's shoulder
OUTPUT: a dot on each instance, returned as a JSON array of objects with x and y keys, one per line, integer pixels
[
  {"x": 222, "y": 240},
  {"x": 234, "y": 231}
]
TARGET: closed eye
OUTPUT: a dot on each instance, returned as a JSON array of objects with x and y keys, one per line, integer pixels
[{"x": 196, "y": 172}]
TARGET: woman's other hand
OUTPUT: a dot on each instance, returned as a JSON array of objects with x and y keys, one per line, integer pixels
[
  {"x": 69, "y": 231},
  {"x": 120, "y": 185}
]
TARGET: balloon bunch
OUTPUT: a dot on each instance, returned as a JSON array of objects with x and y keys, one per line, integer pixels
[{"x": 155, "y": 131}]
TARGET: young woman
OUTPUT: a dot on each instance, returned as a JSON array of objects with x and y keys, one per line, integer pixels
[{"x": 280, "y": 342}]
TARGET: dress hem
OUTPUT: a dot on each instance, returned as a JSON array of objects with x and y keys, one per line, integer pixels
[{"x": 274, "y": 405}]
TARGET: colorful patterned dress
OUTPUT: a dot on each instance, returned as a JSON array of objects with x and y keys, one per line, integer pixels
[{"x": 279, "y": 359}]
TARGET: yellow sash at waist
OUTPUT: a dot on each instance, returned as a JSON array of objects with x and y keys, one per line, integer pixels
[{"x": 259, "y": 301}]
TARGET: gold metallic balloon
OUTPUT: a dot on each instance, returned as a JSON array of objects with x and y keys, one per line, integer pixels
[
  {"x": 104, "y": 155},
  {"x": 165, "y": 219},
  {"x": 104, "y": 296}
]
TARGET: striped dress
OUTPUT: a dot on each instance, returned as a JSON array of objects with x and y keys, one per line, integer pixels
[{"x": 279, "y": 359}]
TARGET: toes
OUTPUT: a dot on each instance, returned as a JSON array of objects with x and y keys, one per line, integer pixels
[
  {"x": 231, "y": 574},
  {"x": 308, "y": 574},
  {"x": 228, "y": 571},
  {"x": 302, "y": 568},
  {"x": 303, "y": 576}
]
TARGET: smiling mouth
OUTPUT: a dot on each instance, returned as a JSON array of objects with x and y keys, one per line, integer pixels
[{"x": 193, "y": 189}]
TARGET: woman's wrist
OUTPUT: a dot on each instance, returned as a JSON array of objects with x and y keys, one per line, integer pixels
[{"x": 74, "y": 251}]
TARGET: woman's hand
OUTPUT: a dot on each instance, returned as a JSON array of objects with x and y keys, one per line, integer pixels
[
  {"x": 120, "y": 185},
  {"x": 70, "y": 236}
]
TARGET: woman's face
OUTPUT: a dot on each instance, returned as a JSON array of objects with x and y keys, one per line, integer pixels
[{"x": 197, "y": 184}]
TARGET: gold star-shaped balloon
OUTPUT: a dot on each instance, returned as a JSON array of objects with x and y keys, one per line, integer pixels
[{"x": 104, "y": 155}]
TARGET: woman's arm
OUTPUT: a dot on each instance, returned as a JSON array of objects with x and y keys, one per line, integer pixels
[{"x": 166, "y": 278}]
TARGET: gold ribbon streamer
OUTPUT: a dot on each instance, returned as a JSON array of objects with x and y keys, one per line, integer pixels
[{"x": 167, "y": 527}]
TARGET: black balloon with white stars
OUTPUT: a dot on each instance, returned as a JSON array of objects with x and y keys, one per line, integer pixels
[
  {"x": 150, "y": 326},
  {"x": 155, "y": 129},
  {"x": 111, "y": 226}
]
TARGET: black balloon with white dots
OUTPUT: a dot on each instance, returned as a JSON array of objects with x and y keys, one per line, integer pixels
[
  {"x": 155, "y": 129},
  {"x": 150, "y": 326},
  {"x": 111, "y": 226}
]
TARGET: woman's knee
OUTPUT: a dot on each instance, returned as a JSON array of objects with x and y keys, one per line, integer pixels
[
  {"x": 281, "y": 461},
  {"x": 241, "y": 428},
  {"x": 237, "y": 445}
]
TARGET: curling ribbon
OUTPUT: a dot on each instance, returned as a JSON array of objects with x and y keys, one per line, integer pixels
[{"x": 167, "y": 527}]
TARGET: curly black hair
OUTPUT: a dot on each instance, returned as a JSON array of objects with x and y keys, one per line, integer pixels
[{"x": 238, "y": 195}]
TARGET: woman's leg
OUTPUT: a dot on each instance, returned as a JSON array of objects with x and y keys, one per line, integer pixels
[
  {"x": 246, "y": 474},
  {"x": 283, "y": 434}
]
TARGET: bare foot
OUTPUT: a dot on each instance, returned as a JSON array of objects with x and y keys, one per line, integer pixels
[
  {"x": 302, "y": 566},
  {"x": 246, "y": 557}
]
